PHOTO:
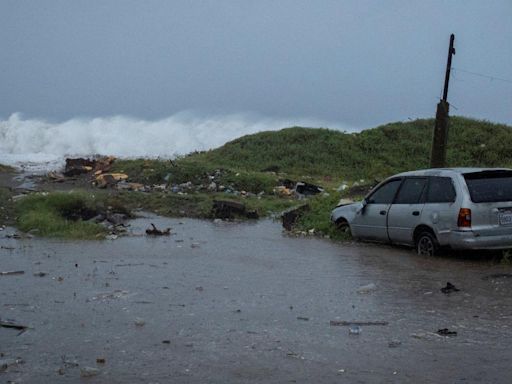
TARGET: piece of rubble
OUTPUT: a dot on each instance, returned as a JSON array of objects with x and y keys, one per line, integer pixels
[
  {"x": 139, "y": 322},
  {"x": 307, "y": 189},
  {"x": 446, "y": 332},
  {"x": 337, "y": 323},
  {"x": 12, "y": 324},
  {"x": 449, "y": 288},
  {"x": 6, "y": 363},
  {"x": 105, "y": 180},
  {"x": 367, "y": 288},
  {"x": 154, "y": 231},
  {"x": 89, "y": 372},
  {"x": 11, "y": 273}
]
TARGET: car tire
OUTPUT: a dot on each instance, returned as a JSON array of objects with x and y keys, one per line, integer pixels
[
  {"x": 426, "y": 244},
  {"x": 342, "y": 225}
]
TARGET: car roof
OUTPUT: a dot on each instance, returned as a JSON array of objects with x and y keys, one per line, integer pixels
[{"x": 448, "y": 171}]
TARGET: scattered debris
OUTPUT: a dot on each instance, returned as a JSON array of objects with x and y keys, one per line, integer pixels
[
  {"x": 449, "y": 288},
  {"x": 100, "y": 360},
  {"x": 446, "y": 332},
  {"x": 290, "y": 217},
  {"x": 40, "y": 274},
  {"x": 105, "y": 180},
  {"x": 80, "y": 166},
  {"x": 354, "y": 330},
  {"x": 394, "y": 343},
  {"x": 303, "y": 318},
  {"x": 367, "y": 288},
  {"x": 89, "y": 372},
  {"x": 166, "y": 341},
  {"x": 343, "y": 323},
  {"x": 6, "y": 247},
  {"x": 6, "y": 363},
  {"x": 200, "y": 289},
  {"x": 307, "y": 189},
  {"x": 139, "y": 322},
  {"x": 425, "y": 335},
  {"x": 12, "y": 324},
  {"x": 154, "y": 231},
  {"x": 11, "y": 273}
]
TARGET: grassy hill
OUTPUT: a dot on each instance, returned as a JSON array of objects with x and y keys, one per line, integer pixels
[{"x": 373, "y": 153}]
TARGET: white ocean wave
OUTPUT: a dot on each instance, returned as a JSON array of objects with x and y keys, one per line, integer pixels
[{"x": 40, "y": 143}]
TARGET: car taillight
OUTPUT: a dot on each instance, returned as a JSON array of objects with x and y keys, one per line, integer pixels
[{"x": 464, "y": 218}]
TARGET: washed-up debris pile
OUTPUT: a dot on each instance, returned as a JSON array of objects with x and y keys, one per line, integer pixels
[{"x": 98, "y": 172}]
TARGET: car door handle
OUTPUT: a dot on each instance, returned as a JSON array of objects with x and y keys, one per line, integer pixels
[
  {"x": 416, "y": 213},
  {"x": 382, "y": 213}
]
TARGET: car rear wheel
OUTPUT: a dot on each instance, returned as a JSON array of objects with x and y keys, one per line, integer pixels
[{"x": 426, "y": 244}]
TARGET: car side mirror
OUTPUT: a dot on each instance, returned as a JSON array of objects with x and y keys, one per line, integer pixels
[{"x": 364, "y": 203}]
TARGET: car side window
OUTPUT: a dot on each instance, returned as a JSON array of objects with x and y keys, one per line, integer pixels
[
  {"x": 386, "y": 193},
  {"x": 441, "y": 190},
  {"x": 411, "y": 191}
]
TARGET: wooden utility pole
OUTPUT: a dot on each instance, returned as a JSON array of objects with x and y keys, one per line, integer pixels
[{"x": 440, "y": 138}]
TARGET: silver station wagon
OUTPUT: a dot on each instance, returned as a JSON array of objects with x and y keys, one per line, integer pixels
[{"x": 461, "y": 208}]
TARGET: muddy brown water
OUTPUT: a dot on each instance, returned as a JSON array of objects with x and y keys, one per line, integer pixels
[{"x": 224, "y": 302}]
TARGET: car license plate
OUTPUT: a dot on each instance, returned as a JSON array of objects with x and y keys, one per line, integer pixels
[{"x": 505, "y": 218}]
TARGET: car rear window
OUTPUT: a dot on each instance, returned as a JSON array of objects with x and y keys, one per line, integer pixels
[{"x": 489, "y": 186}]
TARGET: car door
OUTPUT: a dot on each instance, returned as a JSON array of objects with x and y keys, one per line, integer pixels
[
  {"x": 371, "y": 221},
  {"x": 405, "y": 211}
]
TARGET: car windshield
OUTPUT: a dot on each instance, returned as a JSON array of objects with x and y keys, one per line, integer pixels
[{"x": 490, "y": 186}]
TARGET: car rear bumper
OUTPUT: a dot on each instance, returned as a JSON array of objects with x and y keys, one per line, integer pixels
[{"x": 472, "y": 240}]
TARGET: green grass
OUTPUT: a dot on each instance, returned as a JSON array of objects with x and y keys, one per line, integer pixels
[
  {"x": 371, "y": 154},
  {"x": 49, "y": 214}
]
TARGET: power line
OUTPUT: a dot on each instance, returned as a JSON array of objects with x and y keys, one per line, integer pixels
[{"x": 490, "y": 77}]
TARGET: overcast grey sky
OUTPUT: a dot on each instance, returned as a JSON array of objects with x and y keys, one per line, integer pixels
[{"x": 360, "y": 63}]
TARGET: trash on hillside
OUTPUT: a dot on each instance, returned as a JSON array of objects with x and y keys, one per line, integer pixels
[
  {"x": 394, "y": 343},
  {"x": 302, "y": 318},
  {"x": 80, "y": 166},
  {"x": 354, "y": 330},
  {"x": 40, "y": 274},
  {"x": 343, "y": 323},
  {"x": 307, "y": 189},
  {"x": 11, "y": 273},
  {"x": 225, "y": 209},
  {"x": 290, "y": 217},
  {"x": 283, "y": 191},
  {"x": 100, "y": 360},
  {"x": 449, "y": 288},
  {"x": 105, "y": 180},
  {"x": 154, "y": 231},
  {"x": 446, "y": 332}
]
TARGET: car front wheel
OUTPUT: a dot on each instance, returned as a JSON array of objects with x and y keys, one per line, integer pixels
[{"x": 426, "y": 244}]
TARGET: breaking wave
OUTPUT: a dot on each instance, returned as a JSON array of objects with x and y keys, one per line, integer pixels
[{"x": 39, "y": 143}]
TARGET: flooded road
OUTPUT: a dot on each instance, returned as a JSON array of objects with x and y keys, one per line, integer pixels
[{"x": 223, "y": 302}]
